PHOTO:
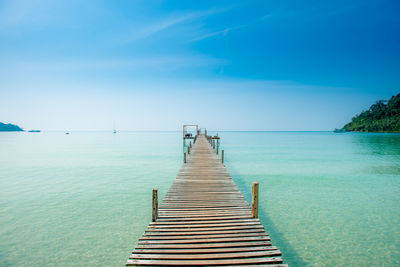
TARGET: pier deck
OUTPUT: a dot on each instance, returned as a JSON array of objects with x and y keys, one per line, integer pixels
[{"x": 204, "y": 220}]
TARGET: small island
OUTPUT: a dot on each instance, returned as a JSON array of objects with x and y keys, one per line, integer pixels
[
  {"x": 10, "y": 128},
  {"x": 383, "y": 116}
]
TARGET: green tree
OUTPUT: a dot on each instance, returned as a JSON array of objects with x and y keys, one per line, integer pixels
[{"x": 383, "y": 116}]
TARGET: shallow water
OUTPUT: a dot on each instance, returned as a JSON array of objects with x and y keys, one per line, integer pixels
[{"x": 85, "y": 198}]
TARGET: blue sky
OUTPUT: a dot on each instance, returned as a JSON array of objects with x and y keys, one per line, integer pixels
[{"x": 226, "y": 65}]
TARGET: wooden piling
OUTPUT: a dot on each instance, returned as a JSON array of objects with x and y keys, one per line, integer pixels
[
  {"x": 222, "y": 156},
  {"x": 154, "y": 213},
  {"x": 254, "y": 200},
  {"x": 184, "y": 157},
  {"x": 189, "y": 150}
]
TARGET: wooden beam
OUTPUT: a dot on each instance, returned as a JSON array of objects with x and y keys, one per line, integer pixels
[
  {"x": 154, "y": 213},
  {"x": 254, "y": 200}
]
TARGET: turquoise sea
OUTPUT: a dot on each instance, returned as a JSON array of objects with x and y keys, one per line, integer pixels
[{"x": 84, "y": 199}]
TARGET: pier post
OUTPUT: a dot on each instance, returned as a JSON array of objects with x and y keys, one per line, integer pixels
[
  {"x": 154, "y": 213},
  {"x": 222, "y": 156},
  {"x": 184, "y": 157},
  {"x": 217, "y": 146},
  {"x": 188, "y": 149},
  {"x": 254, "y": 200},
  {"x": 190, "y": 144}
]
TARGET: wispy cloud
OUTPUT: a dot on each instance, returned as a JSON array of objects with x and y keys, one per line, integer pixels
[
  {"x": 219, "y": 32},
  {"x": 13, "y": 12},
  {"x": 306, "y": 13},
  {"x": 162, "y": 25},
  {"x": 155, "y": 63},
  {"x": 23, "y": 12},
  {"x": 227, "y": 30}
]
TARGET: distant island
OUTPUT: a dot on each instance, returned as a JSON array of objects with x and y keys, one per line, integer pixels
[
  {"x": 383, "y": 116},
  {"x": 10, "y": 128}
]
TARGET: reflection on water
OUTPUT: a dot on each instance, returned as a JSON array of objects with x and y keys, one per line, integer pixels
[
  {"x": 84, "y": 199},
  {"x": 81, "y": 199},
  {"x": 377, "y": 148},
  {"x": 377, "y": 143},
  {"x": 325, "y": 198}
]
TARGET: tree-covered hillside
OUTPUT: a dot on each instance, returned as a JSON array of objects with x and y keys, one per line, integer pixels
[
  {"x": 9, "y": 127},
  {"x": 383, "y": 116}
]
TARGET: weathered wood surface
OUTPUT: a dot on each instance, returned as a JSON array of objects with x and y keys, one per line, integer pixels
[{"x": 204, "y": 221}]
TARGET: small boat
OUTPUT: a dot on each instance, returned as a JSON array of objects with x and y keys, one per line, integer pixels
[
  {"x": 67, "y": 133},
  {"x": 114, "y": 131},
  {"x": 34, "y": 131}
]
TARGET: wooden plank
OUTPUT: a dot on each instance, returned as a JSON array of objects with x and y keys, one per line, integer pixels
[
  {"x": 198, "y": 236},
  {"x": 212, "y": 232},
  {"x": 204, "y": 250},
  {"x": 256, "y": 221},
  {"x": 209, "y": 245},
  {"x": 203, "y": 262},
  {"x": 159, "y": 224},
  {"x": 207, "y": 240},
  {"x": 266, "y": 264},
  {"x": 237, "y": 228},
  {"x": 180, "y": 219},
  {"x": 191, "y": 217},
  {"x": 209, "y": 256}
]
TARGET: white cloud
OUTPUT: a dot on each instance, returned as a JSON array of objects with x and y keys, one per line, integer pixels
[
  {"x": 155, "y": 63},
  {"x": 227, "y": 30},
  {"x": 142, "y": 32},
  {"x": 220, "y": 32},
  {"x": 17, "y": 12}
]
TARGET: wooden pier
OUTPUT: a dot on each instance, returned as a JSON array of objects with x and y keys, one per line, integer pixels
[{"x": 204, "y": 220}]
